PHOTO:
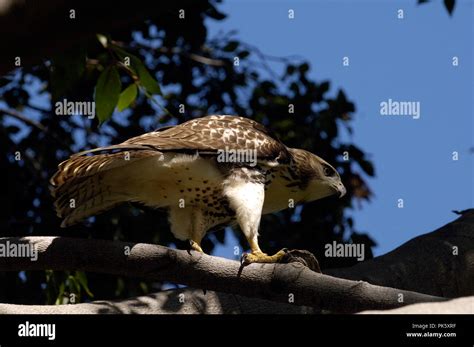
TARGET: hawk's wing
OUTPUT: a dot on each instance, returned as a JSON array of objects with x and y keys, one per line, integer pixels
[
  {"x": 207, "y": 135},
  {"x": 213, "y": 133}
]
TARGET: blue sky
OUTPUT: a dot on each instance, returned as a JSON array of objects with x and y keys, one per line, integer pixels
[{"x": 406, "y": 59}]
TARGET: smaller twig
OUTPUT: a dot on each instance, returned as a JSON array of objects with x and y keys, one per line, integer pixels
[
  {"x": 37, "y": 108},
  {"x": 264, "y": 58},
  {"x": 17, "y": 115},
  {"x": 24, "y": 119},
  {"x": 193, "y": 56}
]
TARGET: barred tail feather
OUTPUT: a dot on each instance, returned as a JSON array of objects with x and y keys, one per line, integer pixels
[{"x": 85, "y": 186}]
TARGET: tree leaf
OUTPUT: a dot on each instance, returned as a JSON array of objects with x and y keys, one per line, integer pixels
[
  {"x": 103, "y": 40},
  {"x": 107, "y": 93},
  {"x": 212, "y": 12},
  {"x": 12, "y": 129},
  {"x": 367, "y": 167},
  {"x": 127, "y": 96},
  {"x": 231, "y": 46},
  {"x": 146, "y": 80},
  {"x": 59, "y": 298},
  {"x": 74, "y": 286},
  {"x": 324, "y": 87},
  {"x": 304, "y": 68},
  {"x": 243, "y": 54},
  {"x": 82, "y": 279},
  {"x": 449, "y": 4},
  {"x": 290, "y": 69},
  {"x": 4, "y": 81}
]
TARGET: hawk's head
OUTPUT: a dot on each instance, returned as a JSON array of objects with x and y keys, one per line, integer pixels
[{"x": 319, "y": 179}]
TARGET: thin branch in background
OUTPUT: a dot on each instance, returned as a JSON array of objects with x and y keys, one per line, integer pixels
[
  {"x": 20, "y": 116},
  {"x": 207, "y": 61},
  {"x": 285, "y": 59},
  {"x": 24, "y": 119},
  {"x": 37, "y": 108},
  {"x": 193, "y": 56},
  {"x": 264, "y": 58}
]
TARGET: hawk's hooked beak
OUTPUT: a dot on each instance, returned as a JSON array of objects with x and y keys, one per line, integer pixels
[{"x": 341, "y": 189}]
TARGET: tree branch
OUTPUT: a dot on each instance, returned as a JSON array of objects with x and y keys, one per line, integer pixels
[
  {"x": 291, "y": 283},
  {"x": 439, "y": 263},
  {"x": 277, "y": 282},
  {"x": 179, "y": 301},
  {"x": 463, "y": 305},
  {"x": 17, "y": 115},
  {"x": 21, "y": 117}
]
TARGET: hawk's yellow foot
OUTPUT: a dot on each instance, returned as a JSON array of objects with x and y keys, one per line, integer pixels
[{"x": 260, "y": 257}]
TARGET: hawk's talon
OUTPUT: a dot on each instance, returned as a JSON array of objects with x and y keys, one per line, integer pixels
[
  {"x": 242, "y": 258},
  {"x": 195, "y": 246}
]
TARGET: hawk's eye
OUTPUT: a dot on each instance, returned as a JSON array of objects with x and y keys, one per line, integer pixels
[{"x": 327, "y": 171}]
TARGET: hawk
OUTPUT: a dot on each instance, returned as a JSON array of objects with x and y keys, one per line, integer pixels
[{"x": 194, "y": 170}]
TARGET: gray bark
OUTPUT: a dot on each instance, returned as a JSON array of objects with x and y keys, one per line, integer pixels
[
  {"x": 284, "y": 283},
  {"x": 276, "y": 282},
  {"x": 180, "y": 301},
  {"x": 456, "y": 306},
  {"x": 438, "y": 263}
]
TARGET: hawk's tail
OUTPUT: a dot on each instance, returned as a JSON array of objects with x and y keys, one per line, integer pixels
[
  {"x": 85, "y": 186},
  {"x": 83, "y": 197}
]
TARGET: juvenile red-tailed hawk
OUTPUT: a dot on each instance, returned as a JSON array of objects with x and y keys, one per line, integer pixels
[{"x": 203, "y": 172}]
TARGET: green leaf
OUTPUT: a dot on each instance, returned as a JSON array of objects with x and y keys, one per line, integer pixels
[
  {"x": 231, "y": 46},
  {"x": 146, "y": 80},
  {"x": 120, "y": 287},
  {"x": 127, "y": 97},
  {"x": 107, "y": 93},
  {"x": 103, "y": 40},
  {"x": 59, "y": 298},
  {"x": 73, "y": 285},
  {"x": 144, "y": 287},
  {"x": 82, "y": 279}
]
